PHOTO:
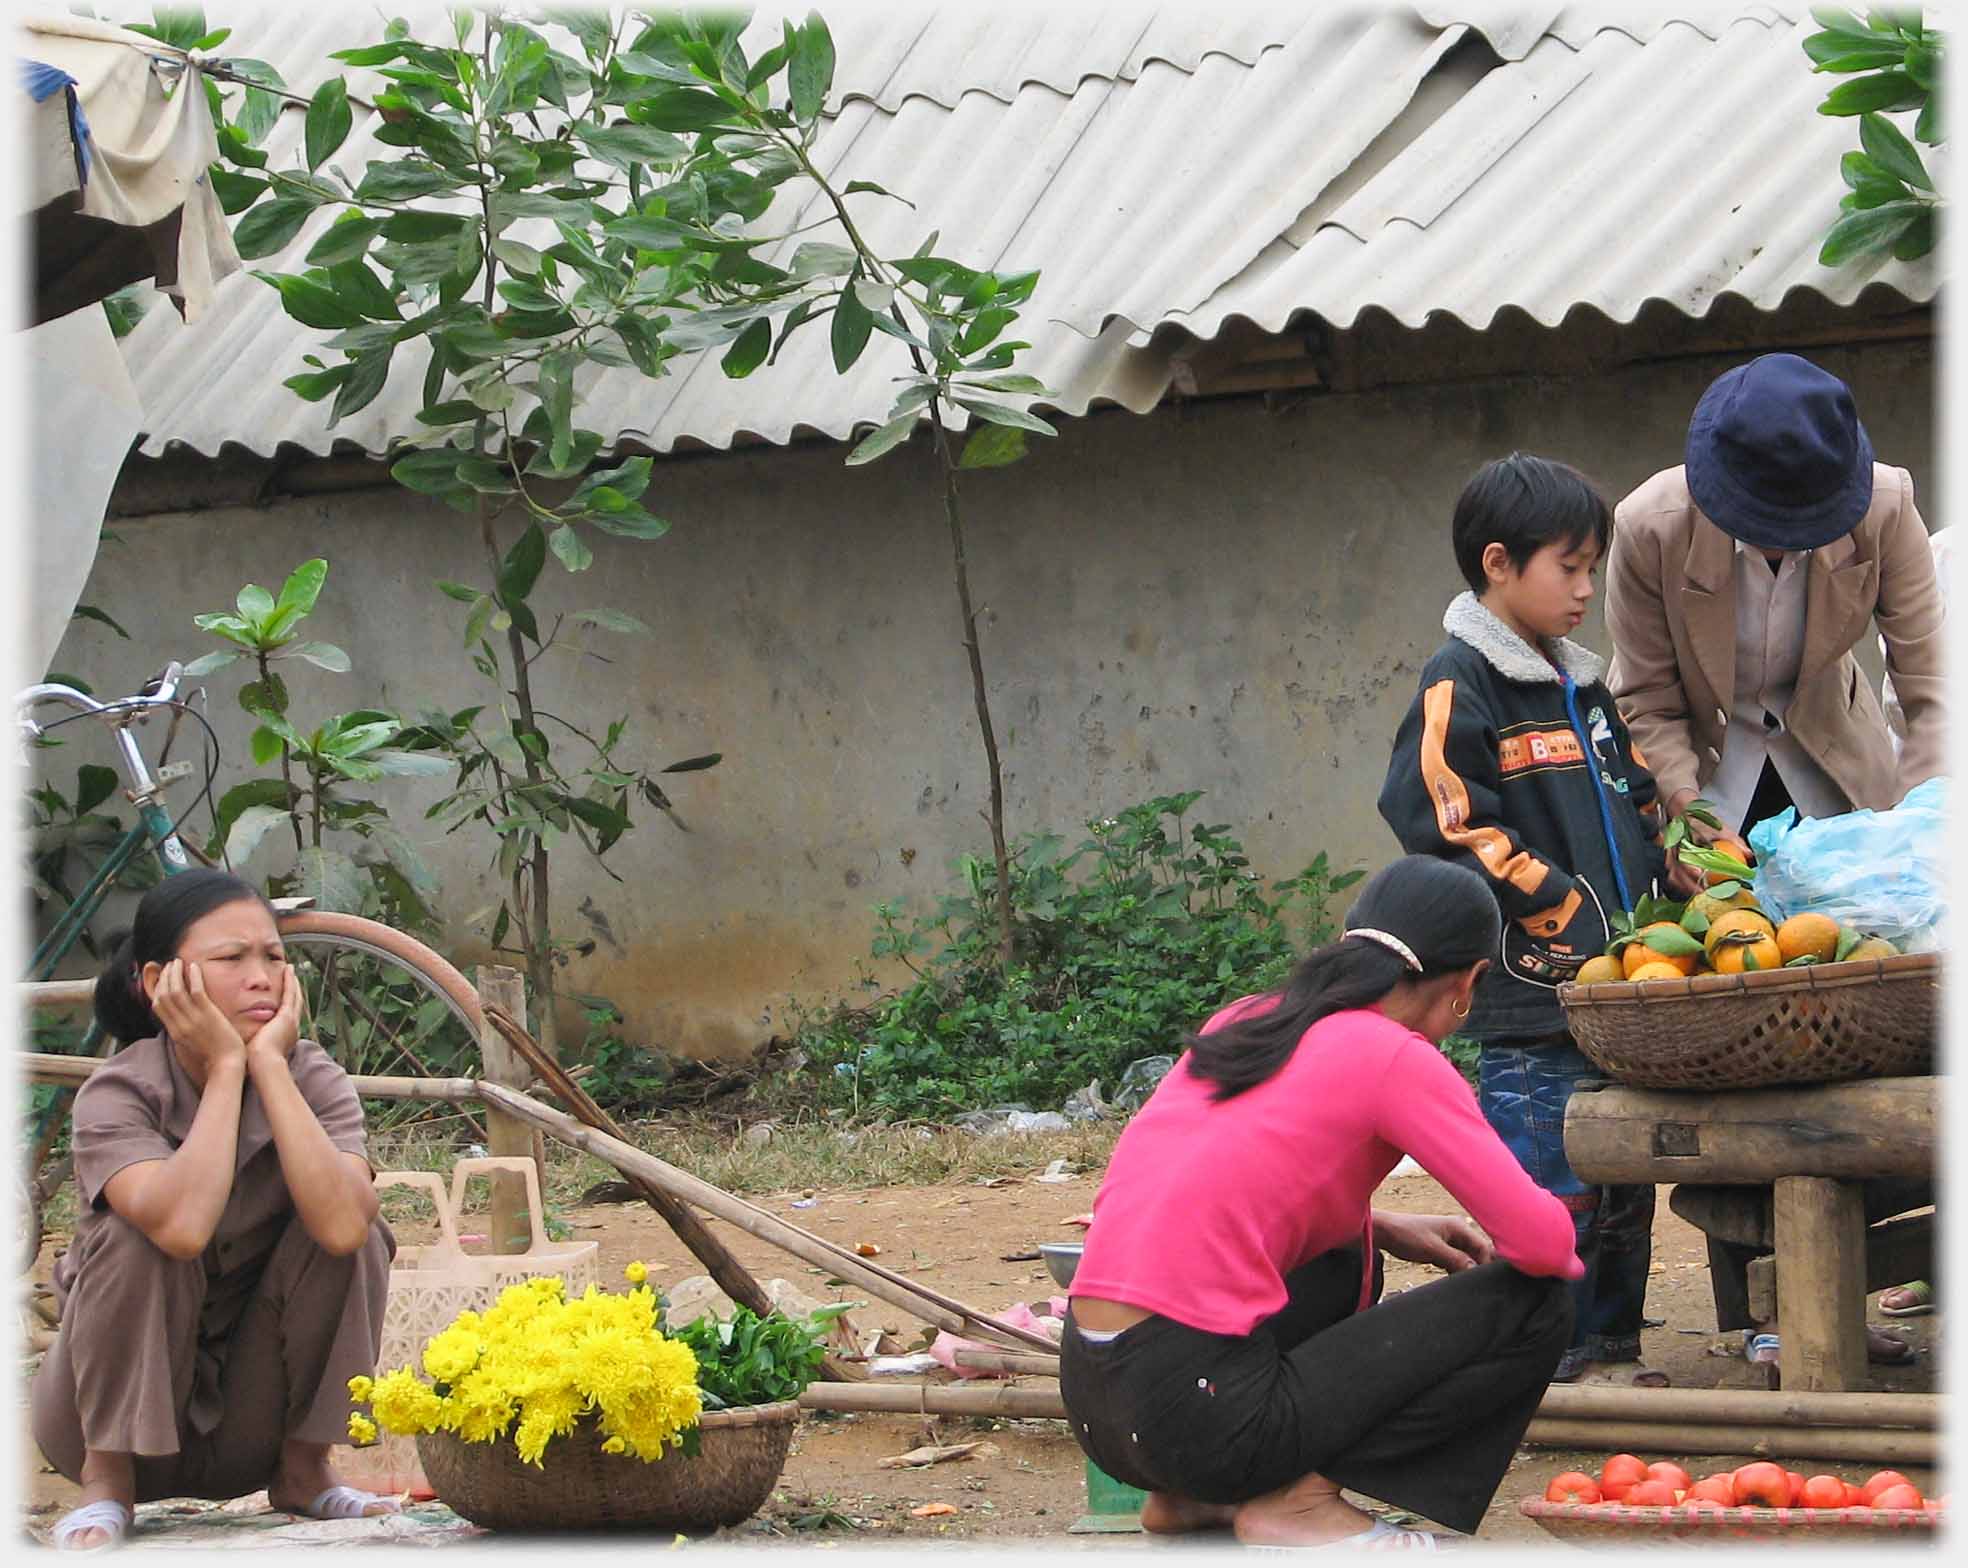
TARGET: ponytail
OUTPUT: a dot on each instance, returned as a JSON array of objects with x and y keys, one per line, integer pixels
[
  {"x": 121, "y": 1007},
  {"x": 1331, "y": 979},
  {"x": 163, "y": 916},
  {"x": 1417, "y": 919}
]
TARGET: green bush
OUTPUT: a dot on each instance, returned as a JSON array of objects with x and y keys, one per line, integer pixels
[{"x": 1121, "y": 946}]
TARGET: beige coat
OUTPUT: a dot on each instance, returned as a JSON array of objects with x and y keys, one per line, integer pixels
[{"x": 1670, "y": 610}]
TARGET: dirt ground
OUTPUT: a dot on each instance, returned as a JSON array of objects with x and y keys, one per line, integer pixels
[{"x": 962, "y": 1240}]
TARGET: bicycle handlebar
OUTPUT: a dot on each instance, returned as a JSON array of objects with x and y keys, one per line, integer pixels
[{"x": 161, "y": 691}]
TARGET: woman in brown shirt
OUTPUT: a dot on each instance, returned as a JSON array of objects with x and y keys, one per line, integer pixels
[{"x": 229, "y": 1272}]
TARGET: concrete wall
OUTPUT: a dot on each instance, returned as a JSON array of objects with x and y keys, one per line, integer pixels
[{"x": 1233, "y": 596}]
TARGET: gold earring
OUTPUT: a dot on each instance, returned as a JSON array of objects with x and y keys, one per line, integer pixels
[{"x": 1460, "y": 1012}]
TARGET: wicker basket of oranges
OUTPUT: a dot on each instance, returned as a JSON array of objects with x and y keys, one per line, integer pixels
[{"x": 1714, "y": 994}]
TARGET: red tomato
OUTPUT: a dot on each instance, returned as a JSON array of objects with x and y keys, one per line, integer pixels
[
  {"x": 1905, "y": 1495},
  {"x": 1650, "y": 1493},
  {"x": 1796, "y": 1488},
  {"x": 1824, "y": 1491},
  {"x": 1620, "y": 1474},
  {"x": 1677, "y": 1479},
  {"x": 1854, "y": 1496},
  {"x": 1716, "y": 1489},
  {"x": 1880, "y": 1480},
  {"x": 1763, "y": 1484},
  {"x": 1574, "y": 1486}
]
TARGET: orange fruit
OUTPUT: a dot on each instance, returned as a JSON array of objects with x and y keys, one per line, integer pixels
[
  {"x": 1872, "y": 947},
  {"x": 1735, "y": 849},
  {"x": 1730, "y": 958},
  {"x": 1715, "y": 908},
  {"x": 1656, "y": 971},
  {"x": 1637, "y": 953},
  {"x": 1813, "y": 935},
  {"x": 1597, "y": 971},
  {"x": 1736, "y": 922}
]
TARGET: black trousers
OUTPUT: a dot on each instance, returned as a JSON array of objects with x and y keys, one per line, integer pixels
[{"x": 1419, "y": 1401}]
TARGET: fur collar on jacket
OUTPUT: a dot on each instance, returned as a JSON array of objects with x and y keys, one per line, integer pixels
[{"x": 1468, "y": 621}]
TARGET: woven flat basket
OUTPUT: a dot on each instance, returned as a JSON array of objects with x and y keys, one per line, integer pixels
[
  {"x": 1617, "y": 1525},
  {"x": 1823, "y": 1023},
  {"x": 578, "y": 1487}
]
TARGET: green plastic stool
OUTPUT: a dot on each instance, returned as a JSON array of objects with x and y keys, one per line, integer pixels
[{"x": 1113, "y": 1507}]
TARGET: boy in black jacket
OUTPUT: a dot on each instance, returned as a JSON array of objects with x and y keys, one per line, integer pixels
[{"x": 1514, "y": 761}]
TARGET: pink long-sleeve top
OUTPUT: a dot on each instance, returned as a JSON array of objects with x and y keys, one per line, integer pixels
[{"x": 1207, "y": 1205}]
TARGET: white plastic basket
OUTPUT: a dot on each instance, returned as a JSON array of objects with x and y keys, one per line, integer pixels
[{"x": 430, "y": 1285}]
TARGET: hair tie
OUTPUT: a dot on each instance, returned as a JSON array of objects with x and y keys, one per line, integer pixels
[{"x": 1391, "y": 942}]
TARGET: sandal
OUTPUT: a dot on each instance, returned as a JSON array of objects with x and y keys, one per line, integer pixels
[
  {"x": 349, "y": 1502},
  {"x": 1916, "y": 1299},
  {"x": 105, "y": 1514},
  {"x": 1886, "y": 1350},
  {"x": 1617, "y": 1374},
  {"x": 1380, "y": 1536}
]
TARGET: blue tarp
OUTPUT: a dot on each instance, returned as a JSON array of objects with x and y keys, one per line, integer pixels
[{"x": 43, "y": 82}]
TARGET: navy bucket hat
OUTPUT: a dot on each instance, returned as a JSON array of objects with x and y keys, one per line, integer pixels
[{"x": 1777, "y": 457}]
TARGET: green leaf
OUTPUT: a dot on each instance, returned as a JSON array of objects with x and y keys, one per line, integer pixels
[
  {"x": 557, "y": 398},
  {"x": 1887, "y": 91},
  {"x": 267, "y": 229},
  {"x": 94, "y": 784},
  {"x": 249, "y": 826},
  {"x": 457, "y": 591},
  {"x": 890, "y": 435},
  {"x": 1013, "y": 383},
  {"x": 570, "y": 548},
  {"x": 367, "y": 375},
  {"x": 1892, "y": 152},
  {"x": 523, "y": 259},
  {"x": 629, "y": 480},
  {"x": 851, "y": 325},
  {"x": 811, "y": 71},
  {"x": 433, "y": 472},
  {"x": 397, "y": 762},
  {"x": 211, "y": 664},
  {"x": 266, "y": 745},
  {"x": 748, "y": 353},
  {"x": 329, "y": 121},
  {"x": 631, "y": 523},
  {"x": 625, "y": 146},
  {"x": 1847, "y": 940},
  {"x": 521, "y": 568},
  {"x": 608, "y": 620},
  {"x": 331, "y": 879},
  {"x": 299, "y": 593},
  {"x": 1918, "y": 238},
  {"x": 405, "y": 180},
  {"x": 1928, "y": 128},
  {"x": 1867, "y": 232},
  {"x": 872, "y": 188},
  {"x": 1671, "y": 940},
  {"x": 264, "y": 699},
  {"x": 695, "y": 764},
  {"x": 347, "y": 238},
  {"x": 254, "y": 602},
  {"x": 1000, "y": 414},
  {"x": 312, "y": 303},
  {"x": 236, "y": 192},
  {"x": 90, "y": 612},
  {"x": 1695, "y": 923},
  {"x": 323, "y": 655},
  {"x": 1841, "y": 52},
  {"x": 992, "y": 446}
]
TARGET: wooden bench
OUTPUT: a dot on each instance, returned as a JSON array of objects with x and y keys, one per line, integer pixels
[{"x": 1812, "y": 1146}]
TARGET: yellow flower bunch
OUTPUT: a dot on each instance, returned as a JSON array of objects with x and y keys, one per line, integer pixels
[{"x": 534, "y": 1364}]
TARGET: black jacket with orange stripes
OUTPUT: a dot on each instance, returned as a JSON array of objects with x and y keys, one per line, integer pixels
[{"x": 1519, "y": 766}]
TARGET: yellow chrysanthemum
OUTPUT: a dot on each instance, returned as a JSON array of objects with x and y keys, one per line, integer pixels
[
  {"x": 359, "y": 1389},
  {"x": 636, "y": 1272},
  {"x": 362, "y": 1431}
]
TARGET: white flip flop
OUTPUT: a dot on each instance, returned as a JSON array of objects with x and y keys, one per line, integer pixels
[
  {"x": 103, "y": 1514},
  {"x": 349, "y": 1502},
  {"x": 1380, "y": 1536}
]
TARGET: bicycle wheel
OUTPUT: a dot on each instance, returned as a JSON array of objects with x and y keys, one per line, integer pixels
[{"x": 381, "y": 1002}]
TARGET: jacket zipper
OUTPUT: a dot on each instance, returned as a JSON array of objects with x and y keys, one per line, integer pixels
[{"x": 1598, "y": 788}]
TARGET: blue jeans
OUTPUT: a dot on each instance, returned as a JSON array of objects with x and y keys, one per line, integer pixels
[{"x": 1523, "y": 1089}]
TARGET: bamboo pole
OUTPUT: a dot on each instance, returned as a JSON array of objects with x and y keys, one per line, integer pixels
[
  {"x": 1740, "y": 1407},
  {"x": 731, "y": 1276},
  {"x": 58, "y": 993},
  {"x": 52, "y": 1067},
  {"x": 928, "y": 1305},
  {"x": 1865, "y": 1444},
  {"x": 936, "y": 1399},
  {"x": 504, "y": 987},
  {"x": 1008, "y": 1362}
]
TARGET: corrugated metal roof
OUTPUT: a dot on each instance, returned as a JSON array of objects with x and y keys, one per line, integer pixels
[{"x": 1176, "y": 168}]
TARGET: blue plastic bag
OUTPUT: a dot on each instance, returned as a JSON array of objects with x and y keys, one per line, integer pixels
[{"x": 1879, "y": 871}]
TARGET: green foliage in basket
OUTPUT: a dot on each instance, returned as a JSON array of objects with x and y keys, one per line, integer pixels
[{"x": 753, "y": 1360}]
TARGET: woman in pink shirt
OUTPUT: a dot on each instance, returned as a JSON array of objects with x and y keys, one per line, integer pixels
[{"x": 1227, "y": 1349}]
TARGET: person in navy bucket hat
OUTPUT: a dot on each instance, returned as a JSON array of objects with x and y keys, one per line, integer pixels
[
  {"x": 1737, "y": 586},
  {"x": 1777, "y": 457}
]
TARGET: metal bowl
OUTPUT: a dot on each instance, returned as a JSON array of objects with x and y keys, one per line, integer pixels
[{"x": 1061, "y": 1259}]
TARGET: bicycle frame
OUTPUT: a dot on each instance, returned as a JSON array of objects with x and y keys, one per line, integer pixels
[{"x": 152, "y": 831}]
